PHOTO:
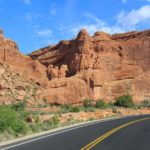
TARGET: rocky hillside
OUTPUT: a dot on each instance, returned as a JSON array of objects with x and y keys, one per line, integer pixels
[
  {"x": 14, "y": 88},
  {"x": 99, "y": 66}
]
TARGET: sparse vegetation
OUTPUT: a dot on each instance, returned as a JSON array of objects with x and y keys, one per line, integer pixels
[
  {"x": 101, "y": 104},
  {"x": 90, "y": 109},
  {"x": 55, "y": 120},
  {"x": 91, "y": 119},
  {"x": 19, "y": 106},
  {"x": 87, "y": 103},
  {"x": 145, "y": 104},
  {"x": 75, "y": 109},
  {"x": 124, "y": 101},
  {"x": 66, "y": 106},
  {"x": 14, "y": 120}
]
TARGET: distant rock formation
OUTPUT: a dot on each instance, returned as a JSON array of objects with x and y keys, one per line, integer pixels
[
  {"x": 56, "y": 73},
  {"x": 99, "y": 66},
  {"x": 113, "y": 64}
]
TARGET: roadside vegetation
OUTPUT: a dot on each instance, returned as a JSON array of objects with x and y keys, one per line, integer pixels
[
  {"x": 145, "y": 104},
  {"x": 124, "y": 101},
  {"x": 17, "y": 121}
]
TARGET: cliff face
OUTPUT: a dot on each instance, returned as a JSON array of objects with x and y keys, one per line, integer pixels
[
  {"x": 98, "y": 66},
  {"x": 22, "y": 64},
  {"x": 107, "y": 65}
]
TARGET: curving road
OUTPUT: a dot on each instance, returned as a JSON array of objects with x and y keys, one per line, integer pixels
[{"x": 131, "y": 133}]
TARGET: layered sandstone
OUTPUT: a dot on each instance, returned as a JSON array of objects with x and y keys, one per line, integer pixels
[{"x": 100, "y": 66}]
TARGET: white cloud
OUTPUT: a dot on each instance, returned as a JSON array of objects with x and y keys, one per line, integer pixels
[
  {"x": 44, "y": 33},
  {"x": 125, "y": 21},
  {"x": 92, "y": 28},
  {"x": 27, "y": 2},
  {"x": 130, "y": 20},
  {"x": 95, "y": 25},
  {"x": 125, "y": 1}
]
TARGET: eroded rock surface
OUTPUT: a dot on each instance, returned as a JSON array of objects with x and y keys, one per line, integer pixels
[
  {"x": 15, "y": 88},
  {"x": 98, "y": 66},
  {"x": 22, "y": 64},
  {"x": 109, "y": 65}
]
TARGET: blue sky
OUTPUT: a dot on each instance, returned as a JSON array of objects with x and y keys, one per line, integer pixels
[{"x": 37, "y": 23}]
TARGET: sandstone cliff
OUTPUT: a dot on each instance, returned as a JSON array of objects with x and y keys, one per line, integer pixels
[
  {"x": 98, "y": 66},
  {"x": 22, "y": 64}
]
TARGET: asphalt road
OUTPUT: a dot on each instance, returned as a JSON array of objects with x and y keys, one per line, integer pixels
[{"x": 132, "y": 133}]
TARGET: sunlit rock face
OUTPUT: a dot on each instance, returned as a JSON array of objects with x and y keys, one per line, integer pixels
[
  {"x": 109, "y": 65},
  {"x": 22, "y": 64},
  {"x": 99, "y": 66}
]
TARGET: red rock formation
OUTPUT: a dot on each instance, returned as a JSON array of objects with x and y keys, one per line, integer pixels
[
  {"x": 113, "y": 64},
  {"x": 98, "y": 66},
  {"x": 22, "y": 64}
]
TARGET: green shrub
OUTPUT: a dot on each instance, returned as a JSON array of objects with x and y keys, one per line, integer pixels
[
  {"x": 66, "y": 106},
  {"x": 36, "y": 127},
  {"x": 89, "y": 109},
  {"x": 124, "y": 101},
  {"x": 11, "y": 120},
  {"x": 87, "y": 103},
  {"x": 101, "y": 104},
  {"x": 145, "y": 104},
  {"x": 19, "y": 106},
  {"x": 91, "y": 119},
  {"x": 55, "y": 120},
  {"x": 74, "y": 109}
]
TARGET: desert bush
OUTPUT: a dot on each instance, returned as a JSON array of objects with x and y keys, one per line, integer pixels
[
  {"x": 75, "y": 109},
  {"x": 36, "y": 127},
  {"x": 66, "y": 107},
  {"x": 19, "y": 106},
  {"x": 55, "y": 120},
  {"x": 145, "y": 103},
  {"x": 124, "y": 101},
  {"x": 90, "y": 109},
  {"x": 11, "y": 120},
  {"x": 91, "y": 119},
  {"x": 87, "y": 103},
  {"x": 101, "y": 104}
]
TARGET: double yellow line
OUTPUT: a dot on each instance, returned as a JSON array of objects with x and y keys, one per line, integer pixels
[{"x": 104, "y": 136}]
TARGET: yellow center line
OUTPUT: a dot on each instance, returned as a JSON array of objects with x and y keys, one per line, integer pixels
[{"x": 104, "y": 136}]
